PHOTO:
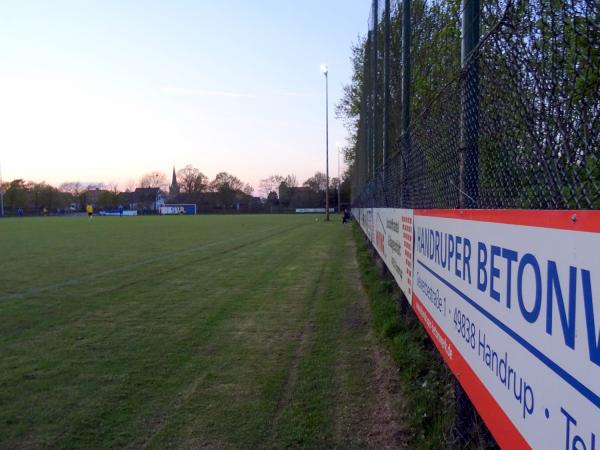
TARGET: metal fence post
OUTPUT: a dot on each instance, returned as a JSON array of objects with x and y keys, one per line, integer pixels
[
  {"x": 468, "y": 171},
  {"x": 406, "y": 29},
  {"x": 469, "y": 164},
  {"x": 405, "y": 134},
  {"x": 367, "y": 109},
  {"x": 374, "y": 39},
  {"x": 386, "y": 86}
]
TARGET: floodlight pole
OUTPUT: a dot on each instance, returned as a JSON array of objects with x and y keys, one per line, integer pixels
[
  {"x": 325, "y": 72},
  {"x": 339, "y": 182},
  {"x": 1, "y": 194}
]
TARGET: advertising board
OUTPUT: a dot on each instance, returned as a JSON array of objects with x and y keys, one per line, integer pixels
[
  {"x": 313, "y": 210},
  {"x": 512, "y": 301},
  {"x": 391, "y": 231}
]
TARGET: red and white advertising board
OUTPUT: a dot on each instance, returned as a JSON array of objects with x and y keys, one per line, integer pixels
[
  {"x": 391, "y": 232},
  {"x": 512, "y": 301}
]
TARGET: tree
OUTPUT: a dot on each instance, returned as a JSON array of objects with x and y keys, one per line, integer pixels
[
  {"x": 153, "y": 180},
  {"x": 130, "y": 185},
  {"x": 272, "y": 198},
  {"x": 285, "y": 189},
  {"x": 224, "y": 182},
  {"x": 191, "y": 180},
  {"x": 334, "y": 183},
  {"x": 248, "y": 189},
  {"x": 270, "y": 184},
  {"x": 111, "y": 198},
  {"x": 72, "y": 192},
  {"x": 16, "y": 194},
  {"x": 349, "y": 107},
  {"x": 49, "y": 196},
  {"x": 72, "y": 187},
  {"x": 334, "y": 186},
  {"x": 434, "y": 64},
  {"x": 229, "y": 188},
  {"x": 112, "y": 187},
  {"x": 317, "y": 183},
  {"x": 345, "y": 187},
  {"x": 291, "y": 181},
  {"x": 93, "y": 186}
]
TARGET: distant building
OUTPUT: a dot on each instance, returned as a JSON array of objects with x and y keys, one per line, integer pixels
[
  {"x": 299, "y": 197},
  {"x": 150, "y": 199},
  {"x": 128, "y": 198},
  {"x": 174, "y": 188},
  {"x": 92, "y": 196}
]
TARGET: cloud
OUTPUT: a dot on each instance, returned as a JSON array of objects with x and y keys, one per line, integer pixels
[{"x": 207, "y": 93}]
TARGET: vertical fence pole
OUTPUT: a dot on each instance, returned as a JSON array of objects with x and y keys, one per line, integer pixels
[
  {"x": 374, "y": 43},
  {"x": 1, "y": 194},
  {"x": 327, "y": 145},
  {"x": 406, "y": 29},
  {"x": 469, "y": 162},
  {"x": 339, "y": 208},
  {"x": 469, "y": 172},
  {"x": 367, "y": 108},
  {"x": 386, "y": 86},
  {"x": 405, "y": 133}
]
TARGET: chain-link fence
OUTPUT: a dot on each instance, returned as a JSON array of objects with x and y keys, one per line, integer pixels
[{"x": 491, "y": 104}]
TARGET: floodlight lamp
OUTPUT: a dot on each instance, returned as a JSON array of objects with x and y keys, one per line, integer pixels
[{"x": 324, "y": 69}]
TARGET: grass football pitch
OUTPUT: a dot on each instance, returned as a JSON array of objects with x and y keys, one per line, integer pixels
[{"x": 187, "y": 332}]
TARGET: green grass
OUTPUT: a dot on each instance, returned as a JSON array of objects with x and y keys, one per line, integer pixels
[
  {"x": 429, "y": 393},
  {"x": 207, "y": 331}
]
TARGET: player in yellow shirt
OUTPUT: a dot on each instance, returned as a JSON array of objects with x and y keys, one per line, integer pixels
[{"x": 90, "y": 211}]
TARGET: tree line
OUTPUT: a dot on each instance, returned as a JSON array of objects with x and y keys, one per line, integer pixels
[
  {"x": 193, "y": 185},
  {"x": 283, "y": 191},
  {"x": 538, "y": 108}
]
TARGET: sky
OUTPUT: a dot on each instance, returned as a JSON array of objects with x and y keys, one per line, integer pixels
[{"x": 107, "y": 90}]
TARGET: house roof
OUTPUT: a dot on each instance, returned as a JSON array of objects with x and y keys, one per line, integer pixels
[{"x": 145, "y": 194}]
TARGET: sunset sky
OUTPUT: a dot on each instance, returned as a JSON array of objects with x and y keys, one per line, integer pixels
[{"x": 106, "y": 90}]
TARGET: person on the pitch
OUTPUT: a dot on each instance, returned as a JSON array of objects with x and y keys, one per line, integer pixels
[
  {"x": 90, "y": 211},
  {"x": 346, "y": 217}
]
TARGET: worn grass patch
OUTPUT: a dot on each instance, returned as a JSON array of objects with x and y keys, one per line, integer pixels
[
  {"x": 427, "y": 383},
  {"x": 426, "y": 380}
]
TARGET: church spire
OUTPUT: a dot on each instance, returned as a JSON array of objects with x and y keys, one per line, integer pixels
[{"x": 174, "y": 188}]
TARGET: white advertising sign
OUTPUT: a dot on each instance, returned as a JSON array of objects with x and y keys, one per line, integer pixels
[
  {"x": 313, "y": 210},
  {"x": 390, "y": 230},
  {"x": 512, "y": 301},
  {"x": 169, "y": 210}
]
